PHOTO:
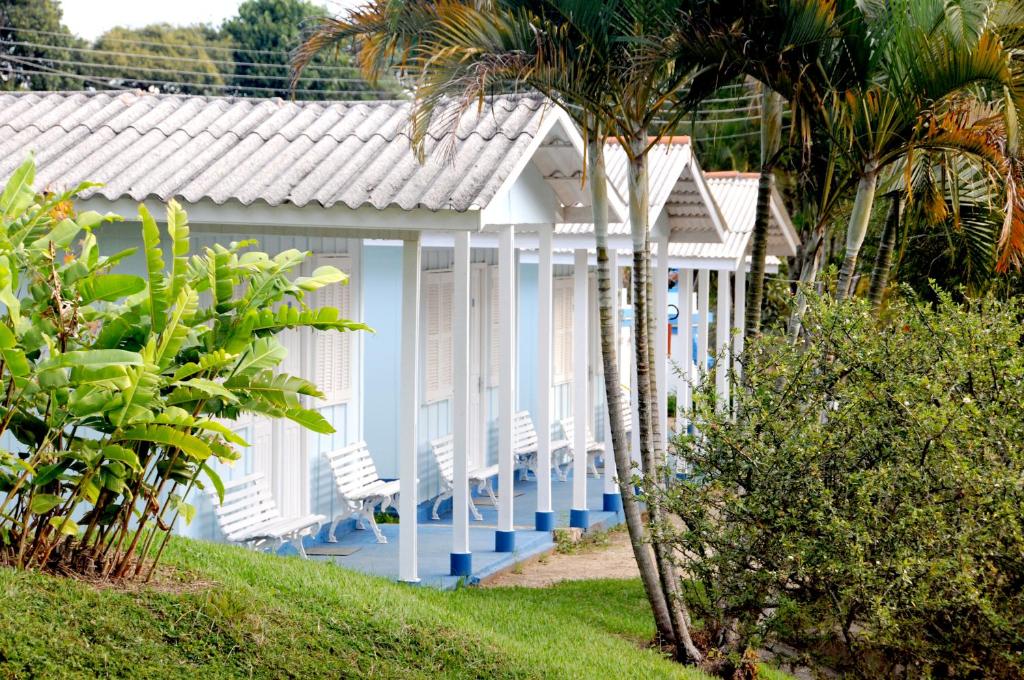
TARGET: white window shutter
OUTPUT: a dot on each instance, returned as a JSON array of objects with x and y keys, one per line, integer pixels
[
  {"x": 562, "y": 321},
  {"x": 333, "y": 360},
  {"x": 438, "y": 291}
]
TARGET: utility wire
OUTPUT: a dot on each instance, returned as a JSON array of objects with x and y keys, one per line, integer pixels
[
  {"x": 41, "y": 68},
  {"x": 164, "y": 57},
  {"x": 151, "y": 43},
  {"x": 183, "y": 82},
  {"x": 155, "y": 69}
]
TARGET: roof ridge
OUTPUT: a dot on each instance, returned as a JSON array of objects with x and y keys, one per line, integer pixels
[{"x": 725, "y": 174}]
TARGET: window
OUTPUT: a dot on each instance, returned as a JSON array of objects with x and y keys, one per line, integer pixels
[
  {"x": 333, "y": 350},
  {"x": 561, "y": 346},
  {"x": 438, "y": 292}
]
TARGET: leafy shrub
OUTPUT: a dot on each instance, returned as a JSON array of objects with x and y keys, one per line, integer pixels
[
  {"x": 116, "y": 389},
  {"x": 865, "y": 511}
]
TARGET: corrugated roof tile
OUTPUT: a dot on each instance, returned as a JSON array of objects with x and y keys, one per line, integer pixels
[{"x": 219, "y": 148}]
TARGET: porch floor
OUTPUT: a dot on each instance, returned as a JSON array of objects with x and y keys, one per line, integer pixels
[{"x": 435, "y": 537}]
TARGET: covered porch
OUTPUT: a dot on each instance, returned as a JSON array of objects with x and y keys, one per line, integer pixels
[{"x": 359, "y": 550}]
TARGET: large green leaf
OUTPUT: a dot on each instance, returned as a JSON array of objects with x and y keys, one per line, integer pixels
[
  {"x": 92, "y": 358},
  {"x": 211, "y": 361},
  {"x": 309, "y": 419},
  {"x": 280, "y": 389},
  {"x": 324, "y": 318},
  {"x": 192, "y": 446},
  {"x": 177, "y": 329},
  {"x": 109, "y": 287},
  {"x": 42, "y": 503},
  {"x": 159, "y": 298},
  {"x": 215, "y": 479},
  {"x": 322, "y": 276},
  {"x": 13, "y": 357},
  {"x": 18, "y": 193},
  {"x": 122, "y": 455},
  {"x": 261, "y": 353},
  {"x": 177, "y": 228}
]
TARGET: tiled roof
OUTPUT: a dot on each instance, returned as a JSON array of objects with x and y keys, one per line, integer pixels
[
  {"x": 355, "y": 153},
  {"x": 672, "y": 186},
  {"x": 736, "y": 195}
]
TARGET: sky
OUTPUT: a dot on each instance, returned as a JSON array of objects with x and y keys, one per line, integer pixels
[{"x": 90, "y": 18}]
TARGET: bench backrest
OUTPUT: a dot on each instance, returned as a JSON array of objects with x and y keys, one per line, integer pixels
[
  {"x": 524, "y": 436},
  {"x": 569, "y": 428},
  {"x": 352, "y": 467},
  {"x": 247, "y": 503},
  {"x": 444, "y": 453}
]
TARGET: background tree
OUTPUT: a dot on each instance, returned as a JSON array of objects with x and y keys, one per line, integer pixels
[
  {"x": 185, "y": 59},
  {"x": 263, "y": 34},
  {"x": 34, "y": 41}
]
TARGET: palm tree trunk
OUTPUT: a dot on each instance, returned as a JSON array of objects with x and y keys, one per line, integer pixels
[
  {"x": 620, "y": 446},
  {"x": 858, "y": 227},
  {"x": 646, "y": 393},
  {"x": 883, "y": 261},
  {"x": 808, "y": 272},
  {"x": 771, "y": 139}
]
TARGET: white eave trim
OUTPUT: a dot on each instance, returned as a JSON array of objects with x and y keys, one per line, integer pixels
[{"x": 366, "y": 222}]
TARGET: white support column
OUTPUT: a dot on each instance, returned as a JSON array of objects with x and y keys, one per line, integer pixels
[
  {"x": 545, "y": 517},
  {"x": 686, "y": 341},
  {"x": 612, "y": 500},
  {"x": 722, "y": 354},
  {"x": 409, "y": 399},
  {"x": 660, "y": 338},
  {"x": 703, "y": 298},
  {"x": 579, "y": 514},
  {"x": 634, "y": 401},
  {"x": 461, "y": 557},
  {"x": 505, "y": 536},
  {"x": 739, "y": 321}
]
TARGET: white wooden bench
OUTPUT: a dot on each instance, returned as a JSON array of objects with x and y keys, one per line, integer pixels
[
  {"x": 524, "y": 447},
  {"x": 595, "y": 448},
  {"x": 249, "y": 515},
  {"x": 361, "y": 489},
  {"x": 443, "y": 449}
]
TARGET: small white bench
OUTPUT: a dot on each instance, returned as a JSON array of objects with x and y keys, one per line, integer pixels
[
  {"x": 595, "y": 448},
  {"x": 524, "y": 447},
  {"x": 249, "y": 515},
  {"x": 361, "y": 489},
  {"x": 443, "y": 449}
]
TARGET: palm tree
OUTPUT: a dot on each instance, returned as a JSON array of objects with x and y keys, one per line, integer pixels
[
  {"x": 571, "y": 52},
  {"x": 918, "y": 61}
]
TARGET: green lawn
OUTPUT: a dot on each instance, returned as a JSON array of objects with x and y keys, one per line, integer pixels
[{"x": 284, "y": 617}]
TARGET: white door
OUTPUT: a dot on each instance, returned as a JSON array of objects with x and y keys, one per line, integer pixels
[{"x": 477, "y": 403}]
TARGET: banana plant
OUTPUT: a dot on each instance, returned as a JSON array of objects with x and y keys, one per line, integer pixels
[{"x": 118, "y": 390}]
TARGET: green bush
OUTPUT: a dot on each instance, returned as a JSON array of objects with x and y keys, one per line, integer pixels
[
  {"x": 116, "y": 389},
  {"x": 865, "y": 510}
]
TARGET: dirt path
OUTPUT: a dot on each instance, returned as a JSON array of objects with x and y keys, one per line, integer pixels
[{"x": 613, "y": 558}]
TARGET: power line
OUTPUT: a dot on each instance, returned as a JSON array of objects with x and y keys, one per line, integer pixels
[
  {"x": 111, "y": 82},
  {"x": 156, "y": 69},
  {"x": 171, "y": 57},
  {"x": 184, "y": 82},
  {"x": 41, "y": 68},
  {"x": 151, "y": 43}
]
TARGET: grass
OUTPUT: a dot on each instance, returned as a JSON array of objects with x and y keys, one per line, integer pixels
[{"x": 238, "y": 613}]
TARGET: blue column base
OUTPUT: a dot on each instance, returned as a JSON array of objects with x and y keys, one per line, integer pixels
[
  {"x": 462, "y": 564},
  {"x": 504, "y": 541},
  {"x": 545, "y": 521},
  {"x": 579, "y": 519},
  {"x": 612, "y": 502}
]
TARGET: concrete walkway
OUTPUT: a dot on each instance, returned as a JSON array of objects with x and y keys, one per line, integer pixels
[{"x": 435, "y": 537}]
